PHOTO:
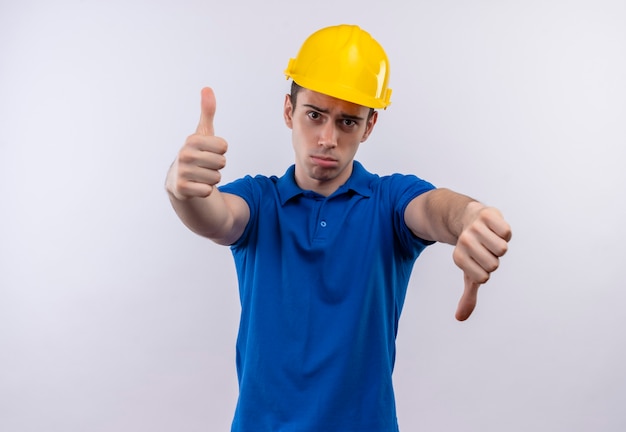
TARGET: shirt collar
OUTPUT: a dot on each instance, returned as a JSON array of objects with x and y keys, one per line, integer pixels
[{"x": 359, "y": 182}]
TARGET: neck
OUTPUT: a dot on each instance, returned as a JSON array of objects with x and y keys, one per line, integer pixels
[{"x": 323, "y": 186}]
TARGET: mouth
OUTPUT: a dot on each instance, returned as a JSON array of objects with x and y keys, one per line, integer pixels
[{"x": 324, "y": 161}]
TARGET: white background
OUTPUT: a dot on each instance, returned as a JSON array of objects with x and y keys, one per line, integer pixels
[{"x": 114, "y": 317}]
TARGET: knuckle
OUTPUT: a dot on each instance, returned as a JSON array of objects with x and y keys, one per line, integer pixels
[
  {"x": 208, "y": 190},
  {"x": 217, "y": 145},
  {"x": 218, "y": 161},
  {"x": 192, "y": 141},
  {"x": 465, "y": 238},
  {"x": 457, "y": 256},
  {"x": 184, "y": 172},
  {"x": 185, "y": 156},
  {"x": 504, "y": 249},
  {"x": 223, "y": 148},
  {"x": 218, "y": 177},
  {"x": 499, "y": 248},
  {"x": 493, "y": 267}
]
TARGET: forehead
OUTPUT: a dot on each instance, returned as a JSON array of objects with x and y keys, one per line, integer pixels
[{"x": 330, "y": 104}]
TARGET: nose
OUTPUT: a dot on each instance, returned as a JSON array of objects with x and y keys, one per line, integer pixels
[{"x": 328, "y": 135}]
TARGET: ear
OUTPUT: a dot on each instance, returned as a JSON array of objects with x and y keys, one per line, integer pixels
[
  {"x": 370, "y": 126},
  {"x": 288, "y": 112}
]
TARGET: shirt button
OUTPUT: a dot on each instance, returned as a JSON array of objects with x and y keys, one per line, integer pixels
[{"x": 323, "y": 224}]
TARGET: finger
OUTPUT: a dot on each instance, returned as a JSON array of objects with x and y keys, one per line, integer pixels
[
  {"x": 467, "y": 259},
  {"x": 207, "y": 112},
  {"x": 183, "y": 183},
  {"x": 209, "y": 155},
  {"x": 485, "y": 243},
  {"x": 498, "y": 225},
  {"x": 468, "y": 299},
  {"x": 486, "y": 257},
  {"x": 191, "y": 189},
  {"x": 204, "y": 143},
  {"x": 202, "y": 167}
]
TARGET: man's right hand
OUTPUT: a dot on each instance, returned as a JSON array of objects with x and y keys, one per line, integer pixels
[{"x": 195, "y": 172}]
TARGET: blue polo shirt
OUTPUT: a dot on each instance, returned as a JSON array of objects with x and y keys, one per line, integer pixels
[{"x": 322, "y": 282}]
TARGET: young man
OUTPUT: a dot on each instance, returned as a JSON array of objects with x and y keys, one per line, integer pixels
[{"x": 324, "y": 253}]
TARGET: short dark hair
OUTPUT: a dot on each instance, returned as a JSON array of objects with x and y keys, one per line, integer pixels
[{"x": 295, "y": 89}]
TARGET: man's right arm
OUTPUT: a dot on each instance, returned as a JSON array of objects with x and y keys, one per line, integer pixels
[{"x": 192, "y": 179}]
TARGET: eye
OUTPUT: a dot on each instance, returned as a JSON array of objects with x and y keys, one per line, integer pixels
[
  {"x": 348, "y": 124},
  {"x": 314, "y": 115}
]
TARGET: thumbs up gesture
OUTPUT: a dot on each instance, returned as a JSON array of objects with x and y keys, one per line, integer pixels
[{"x": 196, "y": 170}]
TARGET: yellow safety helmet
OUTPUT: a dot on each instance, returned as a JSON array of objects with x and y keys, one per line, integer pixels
[{"x": 345, "y": 62}]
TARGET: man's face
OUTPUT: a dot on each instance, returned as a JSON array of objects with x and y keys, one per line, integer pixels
[{"x": 326, "y": 133}]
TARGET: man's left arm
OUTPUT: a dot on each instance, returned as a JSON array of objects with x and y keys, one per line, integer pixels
[{"x": 480, "y": 235}]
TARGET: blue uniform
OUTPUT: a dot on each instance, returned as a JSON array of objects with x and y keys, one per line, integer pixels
[{"x": 322, "y": 282}]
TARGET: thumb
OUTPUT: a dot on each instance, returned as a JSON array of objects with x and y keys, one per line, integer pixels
[
  {"x": 207, "y": 112},
  {"x": 468, "y": 299}
]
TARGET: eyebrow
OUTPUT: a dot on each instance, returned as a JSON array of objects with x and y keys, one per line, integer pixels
[{"x": 326, "y": 111}]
